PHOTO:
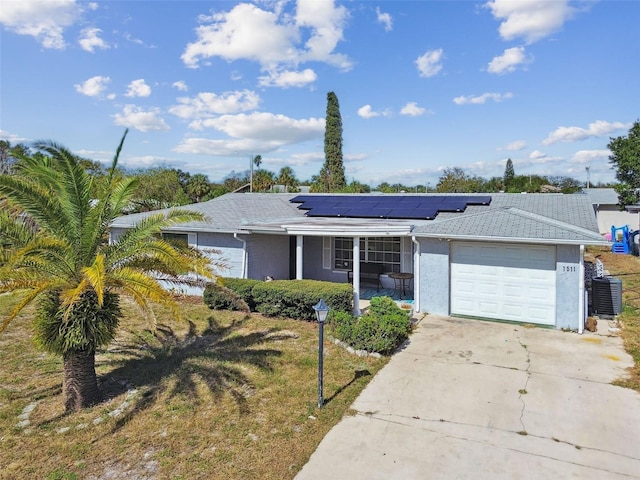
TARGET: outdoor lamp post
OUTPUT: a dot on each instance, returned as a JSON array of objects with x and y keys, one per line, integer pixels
[{"x": 322, "y": 310}]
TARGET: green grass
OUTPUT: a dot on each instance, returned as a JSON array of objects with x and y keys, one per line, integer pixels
[
  {"x": 627, "y": 268},
  {"x": 220, "y": 395}
]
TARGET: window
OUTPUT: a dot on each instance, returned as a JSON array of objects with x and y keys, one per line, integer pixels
[
  {"x": 385, "y": 250},
  {"x": 176, "y": 237}
]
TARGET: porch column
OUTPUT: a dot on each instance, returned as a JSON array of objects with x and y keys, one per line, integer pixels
[
  {"x": 356, "y": 276},
  {"x": 299, "y": 239}
]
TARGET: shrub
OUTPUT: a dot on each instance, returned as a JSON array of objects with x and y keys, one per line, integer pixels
[
  {"x": 243, "y": 287},
  {"x": 279, "y": 298},
  {"x": 296, "y": 298},
  {"x": 218, "y": 297},
  {"x": 382, "y": 329}
]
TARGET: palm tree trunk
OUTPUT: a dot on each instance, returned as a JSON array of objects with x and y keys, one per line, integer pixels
[{"x": 80, "y": 384}]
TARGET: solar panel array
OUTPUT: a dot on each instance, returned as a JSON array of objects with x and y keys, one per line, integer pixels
[{"x": 386, "y": 206}]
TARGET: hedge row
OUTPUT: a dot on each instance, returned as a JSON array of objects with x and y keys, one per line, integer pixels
[{"x": 278, "y": 298}]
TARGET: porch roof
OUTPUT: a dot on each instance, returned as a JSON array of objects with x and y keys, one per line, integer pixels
[{"x": 333, "y": 227}]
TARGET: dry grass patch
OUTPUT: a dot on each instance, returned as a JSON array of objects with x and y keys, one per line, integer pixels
[
  {"x": 627, "y": 268},
  {"x": 221, "y": 395}
]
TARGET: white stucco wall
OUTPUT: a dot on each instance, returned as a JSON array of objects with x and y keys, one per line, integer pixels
[
  {"x": 610, "y": 215},
  {"x": 434, "y": 276},
  {"x": 568, "y": 297}
]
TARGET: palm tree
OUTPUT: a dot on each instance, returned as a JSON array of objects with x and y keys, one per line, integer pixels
[
  {"x": 57, "y": 253},
  {"x": 198, "y": 186},
  {"x": 287, "y": 178},
  {"x": 263, "y": 180}
]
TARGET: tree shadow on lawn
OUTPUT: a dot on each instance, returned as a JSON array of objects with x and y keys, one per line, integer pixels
[{"x": 161, "y": 364}]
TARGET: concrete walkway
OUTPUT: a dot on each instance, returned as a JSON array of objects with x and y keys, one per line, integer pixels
[{"x": 468, "y": 399}]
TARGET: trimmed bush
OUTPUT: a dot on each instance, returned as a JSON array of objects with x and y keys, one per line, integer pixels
[
  {"x": 242, "y": 287},
  {"x": 382, "y": 329},
  {"x": 296, "y": 298},
  {"x": 279, "y": 298},
  {"x": 217, "y": 297}
]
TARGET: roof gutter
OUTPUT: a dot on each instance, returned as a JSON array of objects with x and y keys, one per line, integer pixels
[{"x": 549, "y": 241}]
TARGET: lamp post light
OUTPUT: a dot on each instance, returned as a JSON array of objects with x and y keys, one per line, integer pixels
[{"x": 322, "y": 310}]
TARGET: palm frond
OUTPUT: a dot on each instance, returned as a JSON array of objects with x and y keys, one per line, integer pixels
[
  {"x": 30, "y": 295},
  {"x": 38, "y": 202},
  {"x": 95, "y": 276}
]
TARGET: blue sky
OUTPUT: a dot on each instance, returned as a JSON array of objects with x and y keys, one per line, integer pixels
[{"x": 422, "y": 85}]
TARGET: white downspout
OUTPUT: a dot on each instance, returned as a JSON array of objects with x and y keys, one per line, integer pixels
[
  {"x": 582, "y": 293},
  {"x": 416, "y": 275},
  {"x": 244, "y": 255},
  {"x": 299, "y": 253},
  {"x": 356, "y": 276}
]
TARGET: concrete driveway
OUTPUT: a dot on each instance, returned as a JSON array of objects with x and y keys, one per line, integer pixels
[{"x": 473, "y": 399}]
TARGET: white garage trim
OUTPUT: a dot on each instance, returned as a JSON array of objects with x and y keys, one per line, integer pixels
[{"x": 513, "y": 282}]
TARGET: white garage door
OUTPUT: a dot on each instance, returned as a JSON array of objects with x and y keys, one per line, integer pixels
[{"x": 506, "y": 282}]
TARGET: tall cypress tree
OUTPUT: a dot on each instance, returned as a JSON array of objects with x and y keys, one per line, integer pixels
[
  {"x": 509, "y": 174},
  {"x": 331, "y": 178}
]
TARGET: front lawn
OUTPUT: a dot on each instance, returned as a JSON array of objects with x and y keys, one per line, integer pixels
[
  {"x": 627, "y": 268},
  {"x": 222, "y": 395}
]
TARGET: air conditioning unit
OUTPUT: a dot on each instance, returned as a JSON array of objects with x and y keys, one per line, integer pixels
[{"x": 606, "y": 298}]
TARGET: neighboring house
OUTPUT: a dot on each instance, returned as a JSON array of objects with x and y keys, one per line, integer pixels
[
  {"x": 608, "y": 212},
  {"x": 519, "y": 257}
]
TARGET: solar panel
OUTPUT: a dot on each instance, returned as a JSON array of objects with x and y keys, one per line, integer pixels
[
  {"x": 386, "y": 206},
  {"x": 368, "y": 212}
]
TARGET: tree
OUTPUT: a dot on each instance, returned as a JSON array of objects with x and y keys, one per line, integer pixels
[
  {"x": 235, "y": 180},
  {"x": 198, "y": 187},
  {"x": 160, "y": 188},
  {"x": 8, "y": 155},
  {"x": 331, "y": 177},
  {"x": 67, "y": 266},
  {"x": 625, "y": 158},
  {"x": 287, "y": 178},
  {"x": 263, "y": 180},
  {"x": 456, "y": 180},
  {"x": 356, "y": 187},
  {"x": 509, "y": 173}
]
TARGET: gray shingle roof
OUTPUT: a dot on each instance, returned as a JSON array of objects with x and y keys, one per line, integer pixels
[
  {"x": 519, "y": 217},
  {"x": 602, "y": 196}
]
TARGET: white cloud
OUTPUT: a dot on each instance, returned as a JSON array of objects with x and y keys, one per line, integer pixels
[
  {"x": 531, "y": 20},
  {"x": 326, "y": 22},
  {"x": 517, "y": 145},
  {"x": 140, "y": 119},
  {"x": 267, "y": 127},
  {"x": 90, "y": 40},
  {"x": 225, "y": 148},
  {"x": 44, "y": 20},
  {"x": 598, "y": 128},
  {"x": 413, "y": 110},
  {"x": 306, "y": 158},
  {"x": 509, "y": 61},
  {"x": 481, "y": 99},
  {"x": 12, "y": 137},
  {"x": 385, "y": 19},
  {"x": 207, "y": 104},
  {"x": 537, "y": 154},
  {"x": 288, "y": 78},
  {"x": 180, "y": 85},
  {"x": 93, "y": 87},
  {"x": 271, "y": 38},
  {"x": 429, "y": 63},
  {"x": 138, "y": 88},
  {"x": 367, "y": 112},
  {"x": 587, "y": 156}
]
